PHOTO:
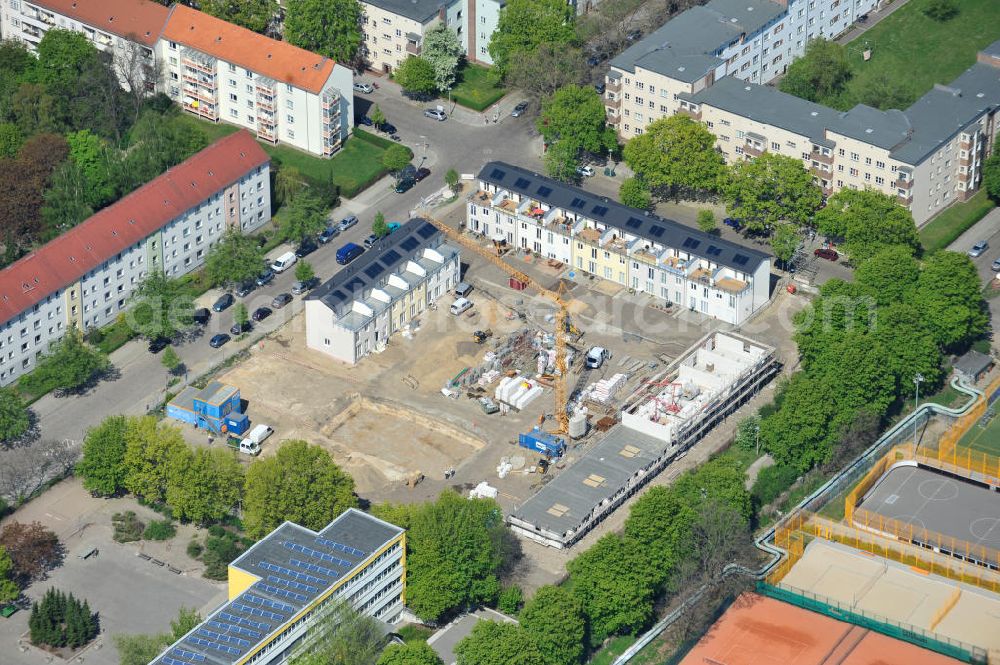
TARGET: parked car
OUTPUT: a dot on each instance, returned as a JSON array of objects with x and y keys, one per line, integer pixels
[
  {"x": 347, "y": 222},
  {"x": 370, "y": 241},
  {"x": 260, "y": 314},
  {"x": 421, "y": 173},
  {"x": 460, "y": 305},
  {"x": 387, "y": 127},
  {"x": 305, "y": 248},
  {"x": 327, "y": 234},
  {"x": 404, "y": 185},
  {"x": 364, "y": 88},
  {"x": 284, "y": 262},
  {"x": 244, "y": 289},
  {"x": 224, "y": 302},
  {"x": 519, "y": 110},
  {"x": 996, "y": 266},
  {"x": 600, "y": 88},
  {"x": 201, "y": 316},
  {"x": 393, "y": 226},
  {"x": 733, "y": 223},
  {"x": 365, "y": 121},
  {"x": 348, "y": 253},
  {"x": 596, "y": 357},
  {"x": 239, "y": 329},
  {"x": 298, "y": 288},
  {"x": 281, "y": 300},
  {"x": 978, "y": 249},
  {"x": 826, "y": 253},
  {"x": 585, "y": 171},
  {"x": 462, "y": 289},
  {"x": 437, "y": 114},
  {"x": 265, "y": 277},
  {"x": 218, "y": 340},
  {"x": 157, "y": 344}
]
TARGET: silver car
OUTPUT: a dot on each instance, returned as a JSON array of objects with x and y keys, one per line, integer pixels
[
  {"x": 437, "y": 114},
  {"x": 978, "y": 249},
  {"x": 362, "y": 87},
  {"x": 519, "y": 110}
]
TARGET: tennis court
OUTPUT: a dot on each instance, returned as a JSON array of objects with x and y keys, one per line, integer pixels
[{"x": 983, "y": 439}]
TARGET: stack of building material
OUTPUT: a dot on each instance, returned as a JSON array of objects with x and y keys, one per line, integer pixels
[
  {"x": 488, "y": 377},
  {"x": 606, "y": 389},
  {"x": 483, "y": 491}
]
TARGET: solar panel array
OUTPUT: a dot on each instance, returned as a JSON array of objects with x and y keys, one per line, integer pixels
[
  {"x": 316, "y": 554},
  {"x": 221, "y": 637},
  {"x": 257, "y": 612},
  {"x": 427, "y": 230},
  {"x": 346, "y": 549},
  {"x": 246, "y": 622},
  {"x": 544, "y": 191},
  {"x": 267, "y": 565},
  {"x": 284, "y": 593},
  {"x": 656, "y": 231},
  {"x": 633, "y": 223},
  {"x": 409, "y": 244},
  {"x": 267, "y": 602},
  {"x": 240, "y": 630},
  {"x": 167, "y": 660},
  {"x": 190, "y": 655},
  {"x": 313, "y": 567},
  {"x": 293, "y": 584},
  {"x": 522, "y": 182},
  {"x": 391, "y": 257},
  {"x": 741, "y": 259},
  {"x": 215, "y": 645},
  {"x": 713, "y": 250}
]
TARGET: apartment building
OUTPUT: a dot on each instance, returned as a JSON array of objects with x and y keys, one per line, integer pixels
[
  {"x": 284, "y": 94},
  {"x": 928, "y": 156},
  {"x": 127, "y": 29},
  {"x": 84, "y": 278},
  {"x": 285, "y": 586},
  {"x": 751, "y": 40},
  {"x": 395, "y": 29},
  {"x": 380, "y": 293},
  {"x": 638, "y": 250}
]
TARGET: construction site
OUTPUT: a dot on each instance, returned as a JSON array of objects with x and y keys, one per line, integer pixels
[{"x": 908, "y": 544}]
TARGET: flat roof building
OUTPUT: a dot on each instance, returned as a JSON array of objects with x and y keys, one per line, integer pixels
[
  {"x": 280, "y": 588},
  {"x": 380, "y": 293},
  {"x": 634, "y": 248},
  {"x": 84, "y": 277}
]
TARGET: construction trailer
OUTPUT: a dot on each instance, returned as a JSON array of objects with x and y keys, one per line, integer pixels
[
  {"x": 543, "y": 442},
  {"x": 215, "y": 408}
]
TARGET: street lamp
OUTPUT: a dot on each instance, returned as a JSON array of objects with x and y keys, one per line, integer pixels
[{"x": 917, "y": 379}]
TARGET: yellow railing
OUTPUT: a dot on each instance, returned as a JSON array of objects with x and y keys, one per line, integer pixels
[
  {"x": 949, "y": 440},
  {"x": 907, "y": 532}
]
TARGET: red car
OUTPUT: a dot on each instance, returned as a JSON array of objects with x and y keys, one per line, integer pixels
[{"x": 828, "y": 254}]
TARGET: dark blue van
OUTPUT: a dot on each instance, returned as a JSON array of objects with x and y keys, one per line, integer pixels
[{"x": 348, "y": 253}]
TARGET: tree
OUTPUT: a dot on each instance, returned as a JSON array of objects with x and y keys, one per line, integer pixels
[
  {"x": 882, "y": 90},
  {"x": 102, "y": 466},
  {"x": 300, "y": 483},
  {"x": 706, "y": 221},
  {"x": 890, "y": 274},
  {"x": 288, "y": 181},
  {"x": 396, "y": 158},
  {"x": 187, "y": 619},
  {"x": 658, "y": 524},
  {"x": 941, "y": 10},
  {"x": 867, "y": 220},
  {"x": 329, "y": 27},
  {"x": 151, "y": 448},
  {"x": 158, "y": 141},
  {"x": 456, "y": 549},
  {"x": 235, "y": 259},
  {"x": 25, "y": 179},
  {"x": 377, "y": 116},
  {"x": 10, "y": 139},
  {"x": 240, "y": 314},
  {"x": 546, "y": 68},
  {"x": 451, "y": 178},
  {"x": 411, "y": 653},
  {"x": 304, "y": 272},
  {"x": 161, "y": 308},
  {"x": 676, "y": 153},
  {"x": 718, "y": 535},
  {"x": 442, "y": 49},
  {"x": 524, "y": 24},
  {"x": 634, "y": 193},
  {"x": 69, "y": 366},
  {"x": 253, "y": 15},
  {"x": 99, "y": 164},
  {"x": 496, "y": 643},
  {"x": 203, "y": 485},
  {"x": 748, "y": 433},
  {"x": 306, "y": 217},
  {"x": 9, "y": 591},
  {"x": 553, "y": 620},
  {"x": 345, "y": 637},
  {"x": 15, "y": 418},
  {"x": 575, "y": 116},
  {"x": 32, "y": 548},
  {"x": 66, "y": 200},
  {"x": 416, "y": 76},
  {"x": 784, "y": 241},
  {"x": 510, "y": 599},
  {"x": 771, "y": 189},
  {"x": 379, "y": 228},
  {"x": 561, "y": 161},
  {"x": 949, "y": 298},
  {"x": 23, "y": 470},
  {"x": 613, "y": 582},
  {"x": 991, "y": 173},
  {"x": 62, "y": 621},
  {"x": 820, "y": 75},
  {"x": 170, "y": 359},
  {"x": 140, "y": 649}
]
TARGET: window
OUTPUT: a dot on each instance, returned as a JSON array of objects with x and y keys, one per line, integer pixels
[
  {"x": 232, "y": 97},
  {"x": 854, "y": 156},
  {"x": 173, "y": 45},
  {"x": 248, "y": 73},
  {"x": 880, "y": 165},
  {"x": 854, "y": 172},
  {"x": 232, "y": 67},
  {"x": 291, "y": 119},
  {"x": 290, "y": 104},
  {"x": 879, "y": 180},
  {"x": 232, "y": 83},
  {"x": 775, "y": 146},
  {"x": 841, "y": 152}
]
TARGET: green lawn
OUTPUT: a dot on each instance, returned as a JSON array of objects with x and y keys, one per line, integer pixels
[
  {"x": 911, "y": 47},
  {"x": 983, "y": 439},
  {"x": 614, "y": 648},
  {"x": 955, "y": 220},
  {"x": 475, "y": 88},
  {"x": 355, "y": 167}
]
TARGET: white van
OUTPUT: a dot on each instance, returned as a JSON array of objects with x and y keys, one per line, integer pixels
[
  {"x": 250, "y": 444},
  {"x": 284, "y": 262},
  {"x": 461, "y": 305}
]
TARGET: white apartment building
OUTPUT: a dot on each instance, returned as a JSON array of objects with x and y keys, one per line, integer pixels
[
  {"x": 381, "y": 292},
  {"x": 928, "y": 156},
  {"x": 752, "y": 40},
  {"x": 395, "y": 29},
  {"x": 601, "y": 237},
  {"x": 128, "y": 29},
  {"x": 287, "y": 584},
  {"x": 284, "y": 94},
  {"x": 84, "y": 278}
]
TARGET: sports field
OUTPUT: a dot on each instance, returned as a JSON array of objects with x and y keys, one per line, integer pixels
[
  {"x": 898, "y": 593},
  {"x": 983, "y": 439}
]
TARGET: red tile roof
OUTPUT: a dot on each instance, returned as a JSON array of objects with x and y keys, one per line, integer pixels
[
  {"x": 142, "y": 20},
  {"x": 72, "y": 255},
  {"x": 277, "y": 60}
]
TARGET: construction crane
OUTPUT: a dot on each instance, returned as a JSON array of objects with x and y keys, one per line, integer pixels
[{"x": 563, "y": 325}]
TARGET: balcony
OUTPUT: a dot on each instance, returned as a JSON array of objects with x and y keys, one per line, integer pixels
[
  {"x": 821, "y": 158},
  {"x": 690, "y": 112},
  {"x": 752, "y": 150},
  {"x": 201, "y": 109},
  {"x": 267, "y": 133},
  {"x": 613, "y": 119},
  {"x": 818, "y": 171},
  {"x": 204, "y": 67},
  {"x": 903, "y": 184},
  {"x": 199, "y": 80},
  {"x": 613, "y": 84},
  {"x": 904, "y": 200},
  {"x": 199, "y": 94},
  {"x": 265, "y": 103},
  {"x": 412, "y": 48}
]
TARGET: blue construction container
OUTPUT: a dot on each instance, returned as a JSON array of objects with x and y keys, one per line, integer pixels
[
  {"x": 216, "y": 408},
  {"x": 543, "y": 442}
]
